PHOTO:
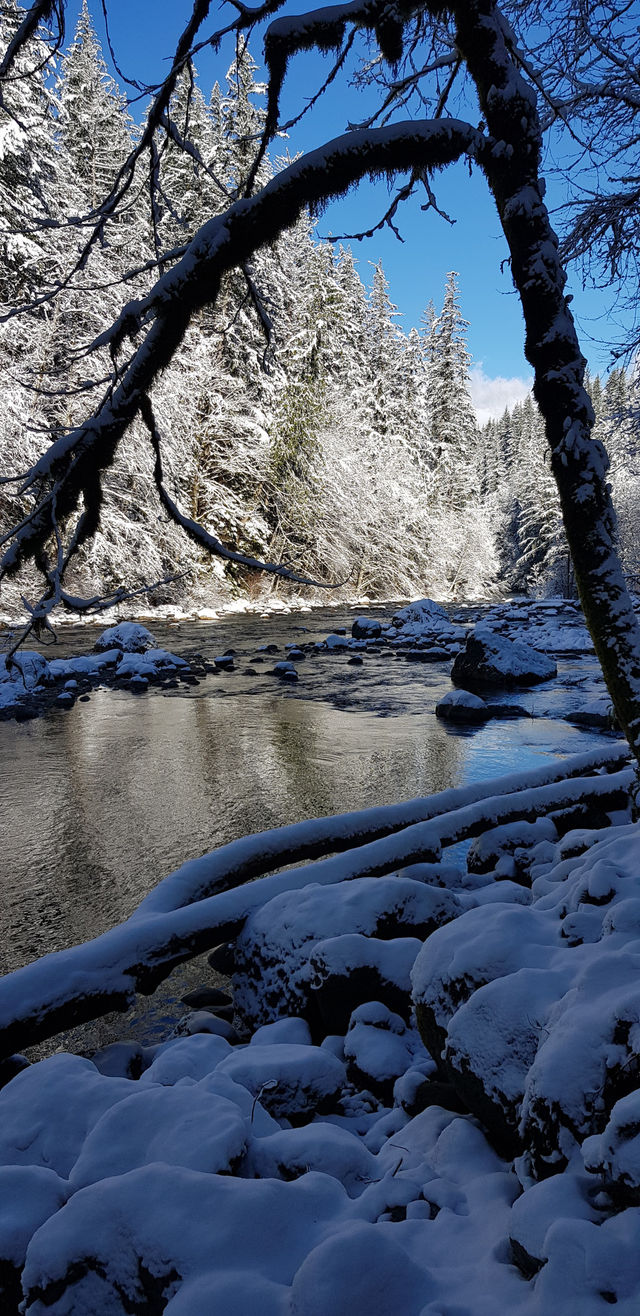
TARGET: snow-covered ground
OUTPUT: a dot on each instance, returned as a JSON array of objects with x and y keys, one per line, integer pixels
[{"x": 428, "y": 1102}]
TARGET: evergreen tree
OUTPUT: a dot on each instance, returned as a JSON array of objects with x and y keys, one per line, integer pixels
[
  {"x": 453, "y": 427},
  {"x": 28, "y": 171},
  {"x": 93, "y": 125}
]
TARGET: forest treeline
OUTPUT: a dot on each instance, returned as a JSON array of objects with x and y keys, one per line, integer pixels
[
  {"x": 516, "y": 479},
  {"x": 299, "y": 422}
]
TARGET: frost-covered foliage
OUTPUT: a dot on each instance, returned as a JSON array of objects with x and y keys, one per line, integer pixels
[
  {"x": 322, "y": 451},
  {"x": 532, "y": 549},
  {"x": 358, "y": 1143}
]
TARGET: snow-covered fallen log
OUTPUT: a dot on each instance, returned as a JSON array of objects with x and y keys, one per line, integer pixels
[{"x": 75, "y": 985}]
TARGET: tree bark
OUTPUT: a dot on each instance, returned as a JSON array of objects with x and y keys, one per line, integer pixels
[{"x": 579, "y": 463}]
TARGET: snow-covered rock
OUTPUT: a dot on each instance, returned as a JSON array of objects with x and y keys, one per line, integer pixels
[
  {"x": 425, "y": 613},
  {"x": 531, "y": 1012},
  {"x": 366, "y": 628},
  {"x": 187, "y": 1057},
  {"x": 350, "y": 970},
  {"x": 462, "y": 706},
  {"x": 321, "y": 1146},
  {"x": 285, "y": 671},
  {"x": 534, "y": 1012},
  {"x": 179, "y": 1125},
  {"x": 129, "y": 636},
  {"x": 425, "y": 623},
  {"x": 291, "y": 1030},
  {"x": 596, "y": 712},
  {"x": 559, "y": 638},
  {"x": 360, "y": 1270},
  {"x": 615, "y": 1153},
  {"x": 91, "y": 665},
  {"x": 497, "y": 843},
  {"x": 27, "y": 670},
  {"x": 148, "y": 665},
  {"x": 491, "y": 659},
  {"x": 290, "y": 1081},
  {"x": 272, "y": 974},
  {"x": 132, "y": 1241},
  {"x": 379, "y": 1048},
  {"x": 48, "y": 1109},
  {"x": 29, "y": 1195},
  {"x": 563, "y": 1197}
]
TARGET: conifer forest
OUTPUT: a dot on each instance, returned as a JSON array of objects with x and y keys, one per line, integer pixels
[{"x": 340, "y": 445}]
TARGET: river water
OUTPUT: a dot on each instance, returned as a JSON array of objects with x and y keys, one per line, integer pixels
[{"x": 100, "y": 802}]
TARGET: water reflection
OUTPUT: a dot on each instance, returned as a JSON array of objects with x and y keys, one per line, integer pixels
[{"x": 99, "y": 804}]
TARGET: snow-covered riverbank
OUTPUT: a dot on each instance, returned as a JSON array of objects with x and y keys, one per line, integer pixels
[
  {"x": 332, "y": 1155},
  {"x": 424, "y": 1097}
]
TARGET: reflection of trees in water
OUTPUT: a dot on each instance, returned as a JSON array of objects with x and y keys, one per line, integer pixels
[
  {"x": 333, "y": 761},
  {"x": 103, "y": 802}
]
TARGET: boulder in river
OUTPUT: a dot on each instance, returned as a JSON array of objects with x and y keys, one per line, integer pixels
[
  {"x": 285, "y": 671},
  {"x": 490, "y": 659},
  {"x": 128, "y": 636},
  {"x": 462, "y": 706},
  {"x": 366, "y": 628}
]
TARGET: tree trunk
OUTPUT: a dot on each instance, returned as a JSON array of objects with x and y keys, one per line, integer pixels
[{"x": 579, "y": 463}]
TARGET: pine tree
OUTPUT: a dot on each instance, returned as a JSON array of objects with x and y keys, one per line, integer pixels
[
  {"x": 28, "y": 171},
  {"x": 618, "y": 426},
  {"x": 93, "y": 126},
  {"x": 453, "y": 427}
]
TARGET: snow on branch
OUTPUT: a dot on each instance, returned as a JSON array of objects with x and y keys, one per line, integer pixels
[
  {"x": 39, "y": 13},
  {"x": 512, "y": 167},
  {"x": 73, "y": 986},
  {"x": 324, "y": 29},
  {"x": 252, "y": 856},
  {"x": 201, "y": 536},
  {"x": 70, "y": 470}
]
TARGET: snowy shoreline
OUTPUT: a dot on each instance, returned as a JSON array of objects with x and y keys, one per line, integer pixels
[
  {"x": 31, "y": 684},
  {"x": 400, "y": 1098},
  {"x": 420, "y": 1094}
]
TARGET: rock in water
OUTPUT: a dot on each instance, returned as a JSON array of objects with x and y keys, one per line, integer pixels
[
  {"x": 128, "y": 636},
  {"x": 365, "y": 628},
  {"x": 490, "y": 659},
  {"x": 462, "y": 706}
]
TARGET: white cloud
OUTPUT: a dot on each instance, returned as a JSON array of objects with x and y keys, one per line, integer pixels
[{"x": 491, "y": 396}]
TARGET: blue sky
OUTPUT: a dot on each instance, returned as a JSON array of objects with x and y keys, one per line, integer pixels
[{"x": 144, "y": 33}]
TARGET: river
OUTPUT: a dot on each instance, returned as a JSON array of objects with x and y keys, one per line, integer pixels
[{"x": 100, "y": 802}]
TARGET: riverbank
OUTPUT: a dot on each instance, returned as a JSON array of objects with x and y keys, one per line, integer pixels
[{"x": 396, "y": 1113}]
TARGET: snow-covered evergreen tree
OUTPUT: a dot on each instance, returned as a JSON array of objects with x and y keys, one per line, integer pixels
[
  {"x": 453, "y": 426},
  {"x": 28, "y": 170},
  {"x": 331, "y": 449}
]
